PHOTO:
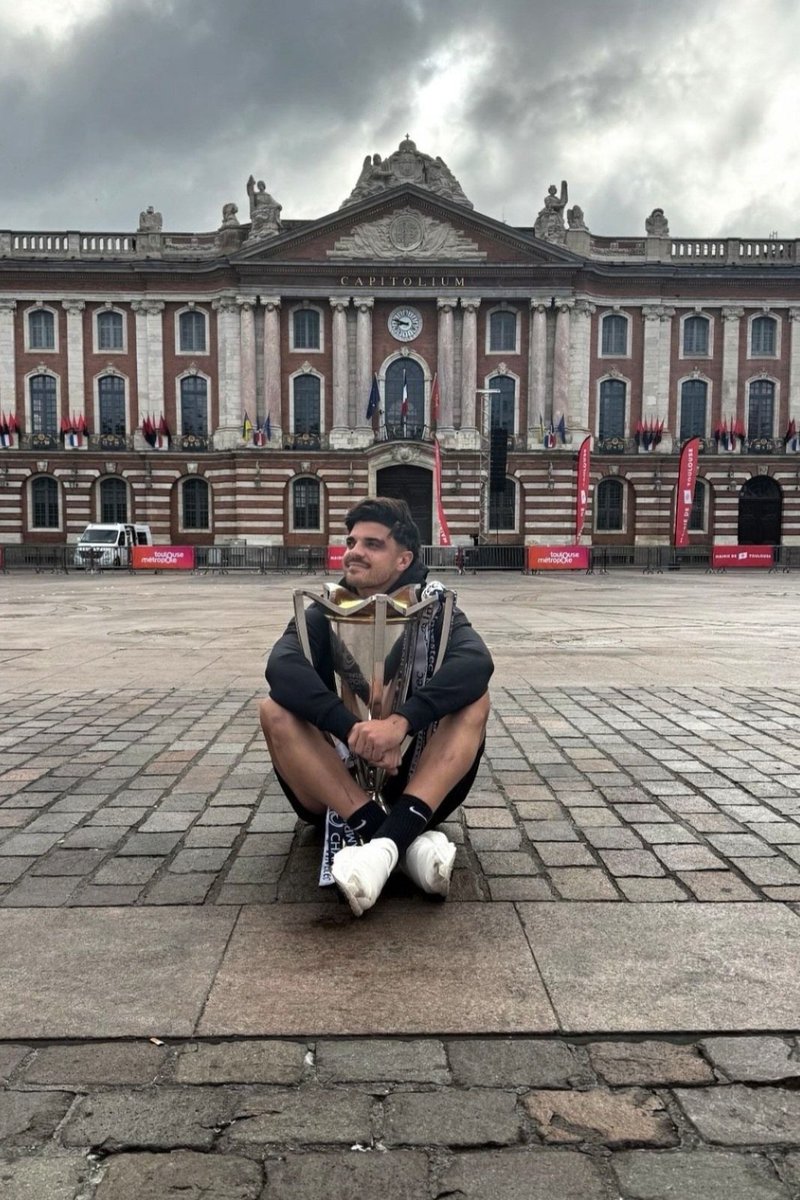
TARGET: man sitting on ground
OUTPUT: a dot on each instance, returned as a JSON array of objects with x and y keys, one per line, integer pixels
[{"x": 448, "y": 714}]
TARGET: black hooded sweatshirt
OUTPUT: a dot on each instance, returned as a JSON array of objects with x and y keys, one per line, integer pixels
[{"x": 309, "y": 691}]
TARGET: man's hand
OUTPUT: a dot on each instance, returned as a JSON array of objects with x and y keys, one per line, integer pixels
[{"x": 379, "y": 741}]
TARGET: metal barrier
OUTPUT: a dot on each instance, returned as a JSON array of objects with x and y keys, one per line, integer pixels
[
  {"x": 37, "y": 558},
  {"x": 307, "y": 560}
]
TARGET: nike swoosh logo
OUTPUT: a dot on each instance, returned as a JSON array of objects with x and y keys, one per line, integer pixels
[{"x": 417, "y": 814}]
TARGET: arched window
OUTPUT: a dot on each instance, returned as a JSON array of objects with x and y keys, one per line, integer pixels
[
  {"x": 41, "y": 329},
  {"x": 697, "y": 514},
  {"x": 195, "y": 503},
  {"x": 503, "y": 507},
  {"x": 192, "y": 331},
  {"x": 694, "y": 394},
  {"x": 612, "y": 408},
  {"x": 111, "y": 402},
  {"x": 194, "y": 406},
  {"x": 609, "y": 505},
  {"x": 113, "y": 501},
  {"x": 44, "y": 415},
  {"x": 615, "y": 335},
  {"x": 44, "y": 502},
  {"x": 761, "y": 409},
  {"x": 305, "y": 329},
  {"x": 404, "y": 377},
  {"x": 306, "y": 504},
  {"x": 503, "y": 330},
  {"x": 763, "y": 337},
  {"x": 110, "y": 331},
  {"x": 695, "y": 336},
  {"x": 503, "y": 405},
  {"x": 306, "y": 414}
]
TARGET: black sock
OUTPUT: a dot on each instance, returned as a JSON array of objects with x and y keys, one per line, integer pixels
[
  {"x": 406, "y": 821},
  {"x": 366, "y": 820}
]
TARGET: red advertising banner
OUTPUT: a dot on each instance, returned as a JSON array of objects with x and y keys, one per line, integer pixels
[
  {"x": 558, "y": 558},
  {"x": 741, "y": 556},
  {"x": 582, "y": 498},
  {"x": 444, "y": 528},
  {"x": 333, "y": 559},
  {"x": 687, "y": 478},
  {"x": 162, "y": 558}
]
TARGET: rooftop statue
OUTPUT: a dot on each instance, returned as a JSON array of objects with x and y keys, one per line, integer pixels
[
  {"x": 150, "y": 221},
  {"x": 406, "y": 165},
  {"x": 265, "y": 212},
  {"x": 550, "y": 220},
  {"x": 575, "y": 218},
  {"x": 657, "y": 225}
]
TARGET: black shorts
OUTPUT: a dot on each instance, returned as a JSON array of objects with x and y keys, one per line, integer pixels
[{"x": 394, "y": 787}]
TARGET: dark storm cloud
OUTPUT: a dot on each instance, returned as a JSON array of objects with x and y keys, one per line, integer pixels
[{"x": 175, "y": 102}]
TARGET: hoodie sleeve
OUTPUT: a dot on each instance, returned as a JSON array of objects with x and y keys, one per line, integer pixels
[
  {"x": 461, "y": 680},
  {"x": 300, "y": 687}
]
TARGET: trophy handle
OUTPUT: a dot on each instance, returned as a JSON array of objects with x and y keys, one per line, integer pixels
[
  {"x": 448, "y": 605},
  {"x": 300, "y": 622}
]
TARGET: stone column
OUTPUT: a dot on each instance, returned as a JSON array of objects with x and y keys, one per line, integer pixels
[
  {"x": 730, "y": 363},
  {"x": 76, "y": 397},
  {"x": 445, "y": 366},
  {"x": 655, "y": 368},
  {"x": 469, "y": 435},
  {"x": 155, "y": 353},
  {"x": 143, "y": 403},
  {"x": 579, "y": 366},
  {"x": 228, "y": 433},
  {"x": 537, "y": 373},
  {"x": 8, "y": 389},
  {"x": 247, "y": 343},
  {"x": 364, "y": 307},
  {"x": 272, "y": 369},
  {"x": 794, "y": 367},
  {"x": 561, "y": 362},
  {"x": 340, "y": 429}
]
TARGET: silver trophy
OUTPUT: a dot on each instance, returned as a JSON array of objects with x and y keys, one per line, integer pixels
[{"x": 381, "y": 646}]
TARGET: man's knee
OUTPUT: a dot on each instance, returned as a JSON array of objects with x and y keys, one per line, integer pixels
[
  {"x": 476, "y": 715},
  {"x": 273, "y": 718}
]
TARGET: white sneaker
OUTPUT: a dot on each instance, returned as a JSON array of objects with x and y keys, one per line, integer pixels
[
  {"x": 429, "y": 862},
  {"x": 362, "y": 871}
]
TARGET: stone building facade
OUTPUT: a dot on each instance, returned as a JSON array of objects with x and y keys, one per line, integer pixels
[{"x": 217, "y": 385}]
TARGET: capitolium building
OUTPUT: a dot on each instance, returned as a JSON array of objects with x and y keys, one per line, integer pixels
[{"x": 246, "y": 385}]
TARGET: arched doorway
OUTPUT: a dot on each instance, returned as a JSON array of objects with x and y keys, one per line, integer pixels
[
  {"x": 760, "y": 512},
  {"x": 414, "y": 485}
]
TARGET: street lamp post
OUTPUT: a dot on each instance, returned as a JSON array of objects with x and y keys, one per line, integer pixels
[{"x": 485, "y": 443}]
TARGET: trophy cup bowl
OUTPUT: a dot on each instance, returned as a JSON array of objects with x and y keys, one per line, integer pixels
[{"x": 379, "y": 645}]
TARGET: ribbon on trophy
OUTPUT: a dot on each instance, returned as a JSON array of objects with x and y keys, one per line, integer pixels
[{"x": 382, "y": 647}]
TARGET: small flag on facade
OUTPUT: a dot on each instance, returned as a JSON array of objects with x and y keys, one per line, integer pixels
[
  {"x": 374, "y": 398},
  {"x": 404, "y": 400},
  {"x": 562, "y": 428},
  {"x": 247, "y": 428},
  {"x": 435, "y": 399},
  {"x": 268, "y": 428}
]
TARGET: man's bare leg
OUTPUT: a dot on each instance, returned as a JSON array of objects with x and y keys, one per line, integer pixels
[
  {"x": 450, "y": 752},
  {"x": 308, "y": 762}
]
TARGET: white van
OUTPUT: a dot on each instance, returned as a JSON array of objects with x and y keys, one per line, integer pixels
[{"x": 110, "y": 545}]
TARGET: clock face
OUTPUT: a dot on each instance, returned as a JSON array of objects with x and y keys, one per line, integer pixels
[{"x": 405, "y": 324}]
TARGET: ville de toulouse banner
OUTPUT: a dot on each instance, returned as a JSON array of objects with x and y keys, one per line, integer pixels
[
  {"x": 741, "y": 556},
  {"x": 162, "y": 558}
]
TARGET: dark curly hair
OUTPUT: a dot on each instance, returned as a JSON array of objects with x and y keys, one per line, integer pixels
[{"x": 394, "y": 514}]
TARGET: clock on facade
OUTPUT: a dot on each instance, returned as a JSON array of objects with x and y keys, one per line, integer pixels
[{"x": 405, "y": 324}]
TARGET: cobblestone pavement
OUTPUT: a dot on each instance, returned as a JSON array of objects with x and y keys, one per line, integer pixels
[
  {"x": 345, "y": 1119},
  {"x": 152, "y": 797}
]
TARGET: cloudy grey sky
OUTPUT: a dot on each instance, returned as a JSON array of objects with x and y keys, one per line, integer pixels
[{"x": 691, "y": 105}]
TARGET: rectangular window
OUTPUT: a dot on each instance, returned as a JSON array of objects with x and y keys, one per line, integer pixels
[
  {"x": 306, "y": 329},
  {"x": 615, "y": 335},
  {"x": 503, "y": 331},
  {"x": 305, "y": 496}
]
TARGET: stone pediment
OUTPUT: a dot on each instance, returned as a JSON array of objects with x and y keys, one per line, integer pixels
[{"x": 407, "y": 234}]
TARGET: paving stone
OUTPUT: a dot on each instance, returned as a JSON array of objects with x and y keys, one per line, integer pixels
[
  {"x": 525, "y": 1174},
  {"x": 262, "y": 822},
  {"x": 110, "y": 895},
  {"x": 10, "y": 1058},
  {"x": 119, "y": 817},
  {"x": 27, "y": 844},
  {"x": 539, "y": 810},
  {"x": 626, "y": 1117},
  {"x": 154, "y": 1118},
  {"x": 696, "y": 1175},
  {"x": 12, "y": 868},
  {"x": 128, "y": 870},
  {"x": 86, "y": 1065},
  {"x": 717, "y": 885},
  {"x": 689, "y": 858},
  {"x": 586, "y": 818},
  {"x": 582, "y": 883},
  {"x": 550, "y": 831},
  {"x": 167, "y": 822},
  {"x": 651, "y": 891},
  {"x": 149, "y": 844},
  {"x": 314, "y": 1115},
  {"x": 768, "y": 870},
  {"x": 664, "y": 834},
  {"x": 742, "y": 1116},
  {"x": 484, "y": 1117},
  {"x": 488, "y": 818},
  {"x": 180, "y": 889},
  {"x": 396, "y": 1175},
  {"x": 631, "y": 862},
  {"x": 642, "y": 812},
  {"x": 422, "y": 1060},
  {"x": 29, "y": 1119},
  {"x": 611, "y": 838},
  {"x": 226, "y": 816},
  {"x": 252, "y": 869},
  {"x": 210, "y": 835},
  {"x": 251, "y": 1061},
  {"x": 266, "y": 843},
  {"x": 180, "y": 1175},
  {"x": 517, "y": 887},
  {"x": 52, "y": 1178},
  {"x": 508, "y": 862},
  {"x": 44, "y": 891},
  {"x": 69, "y": 862},
  {"x": 517, "y": 1062},
  {"x": 210, "y": 859},
  {"x": 648, "y": 1064},
  {"x": 754, "y": 1059},
  {"x": 92, "y": 837},
  {"x": 495, "y": 839},
  {"x": 739, "y": 845}
]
